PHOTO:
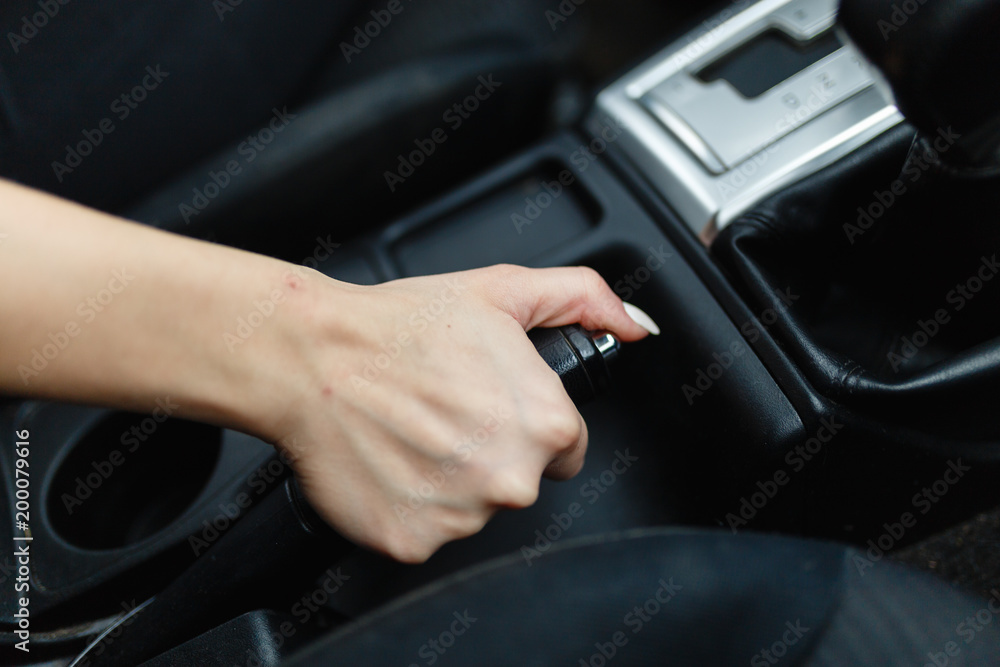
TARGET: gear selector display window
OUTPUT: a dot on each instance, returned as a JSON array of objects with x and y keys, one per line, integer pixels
[{"x": 768, "y": 60}]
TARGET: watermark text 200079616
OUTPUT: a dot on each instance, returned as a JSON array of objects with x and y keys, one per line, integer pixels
[{"x": 22, "y": 538}]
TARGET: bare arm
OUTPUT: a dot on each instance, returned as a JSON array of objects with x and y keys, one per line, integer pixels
[{"x": 369, "y": 390}]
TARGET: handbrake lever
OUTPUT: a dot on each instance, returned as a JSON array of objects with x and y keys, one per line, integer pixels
[
  {"x": 581, "y": 358},
  {"x": 282, "y": 544}
]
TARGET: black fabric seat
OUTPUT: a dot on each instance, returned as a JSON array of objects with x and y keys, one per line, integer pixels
[{"x": 675, "y": 597}]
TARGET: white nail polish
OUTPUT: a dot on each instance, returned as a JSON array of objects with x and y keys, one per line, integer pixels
[{"x": 642, "y": 319}]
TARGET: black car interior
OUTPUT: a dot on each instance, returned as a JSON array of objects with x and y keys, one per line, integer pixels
[{"x": 804, "y": 197}]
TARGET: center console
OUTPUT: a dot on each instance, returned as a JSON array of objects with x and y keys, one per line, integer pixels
[
  {"x": 709, "y": 187},
  {"x": 757, "y": 98}
]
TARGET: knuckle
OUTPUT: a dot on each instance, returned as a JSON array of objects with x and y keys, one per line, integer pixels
[
  {"x": 512, "y": 490},
  {"x": 504, "y": 272},
  {"x": 407, "y": 550},
  {"x": 477, "y": 471},
  {"x": 466, "y": 525},
  {"x": 592, "y": 280},
  {"x": 597, "y": 291},
  {"x": 559, "y": 429}
]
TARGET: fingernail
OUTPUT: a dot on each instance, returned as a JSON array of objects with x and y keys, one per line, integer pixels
[{"x": 642, "y": 319}]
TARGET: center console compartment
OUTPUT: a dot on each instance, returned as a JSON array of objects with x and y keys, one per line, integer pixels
[
  {"x": 727, "y": 423},
  {"x": 577, "y": 212}
]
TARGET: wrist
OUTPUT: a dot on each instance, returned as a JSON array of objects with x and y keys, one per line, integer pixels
[
  {"x": 271, "y": 349},
  {"x": 252, "y": 347}
]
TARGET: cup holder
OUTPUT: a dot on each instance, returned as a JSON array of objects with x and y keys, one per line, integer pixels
[{"x": 129, "y": 477}]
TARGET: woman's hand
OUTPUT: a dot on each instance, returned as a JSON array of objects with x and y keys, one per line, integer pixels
[{"x": 414, "y": 410}]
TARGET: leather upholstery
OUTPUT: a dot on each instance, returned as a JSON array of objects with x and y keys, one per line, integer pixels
[
  {"x": 862, "y": 291},
  {"x": 941, "y": 59}
]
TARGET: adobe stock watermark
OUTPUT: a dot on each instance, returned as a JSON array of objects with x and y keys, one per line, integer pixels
[
  {"x": 705, "y": 378},
  {"x": 417, "y": 323},
  {"x": 923, "y": 501},
  {"x": 556, "y": 17},
  {"x": 632, "y": 282},
  {"x": 796, "y": 460},
  {"x": 247, "y": 325},
  {"x": 130, "y": 611},
  {"x": 364, "y": 34},
  {"x": 776, "y": 651},
  {"x": 435, "y": 647},
  {"x": 310, "y": 603},
  {"x": 454, "y": 117},
  {"x": 121, "y": 108},
  {"x": 22, "y": 589},
  {"x": 218, "y": 180},
  {"x": 263, "y": 309},
  {"x": 31, "y": 23},
  {"x": 131, "y": 440},
  {"x": 580, "y": 160},
  {"x": 737, "y": 178},
  {"x": 223, "y": 7},
  {"x": 916, "y": 166},
  {"x": 592, "y": 490},
  {"x": 259, "y": 482},
  {"x": 699, "y": 45},
  {"x": 463, "y": 450},
  {"x": 800, "y": 110},
  {"x": 635, "y": 620},
  {"x": 302, "y": 611},
  {"x": 901, "y": 13},
  {"x": 957, "y": 299},
  {"x": 20, "y": 507},
  {"x": 967, "y": 631},
  {"x": 88, "y": 310}
]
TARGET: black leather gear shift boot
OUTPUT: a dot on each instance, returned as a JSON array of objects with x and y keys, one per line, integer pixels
[{"x": 893, "y": 260}]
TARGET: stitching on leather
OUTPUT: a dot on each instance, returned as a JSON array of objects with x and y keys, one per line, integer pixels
[{"x": 849, "y": 381}]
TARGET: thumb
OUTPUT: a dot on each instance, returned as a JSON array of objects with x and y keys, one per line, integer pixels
[{"x": 560, "y": 296}]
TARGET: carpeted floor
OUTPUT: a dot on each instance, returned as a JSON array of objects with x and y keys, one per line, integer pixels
[{"x": 966, "y": 555}]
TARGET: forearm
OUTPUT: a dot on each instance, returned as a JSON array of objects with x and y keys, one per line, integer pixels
[{"x": 99, "y": 310}]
